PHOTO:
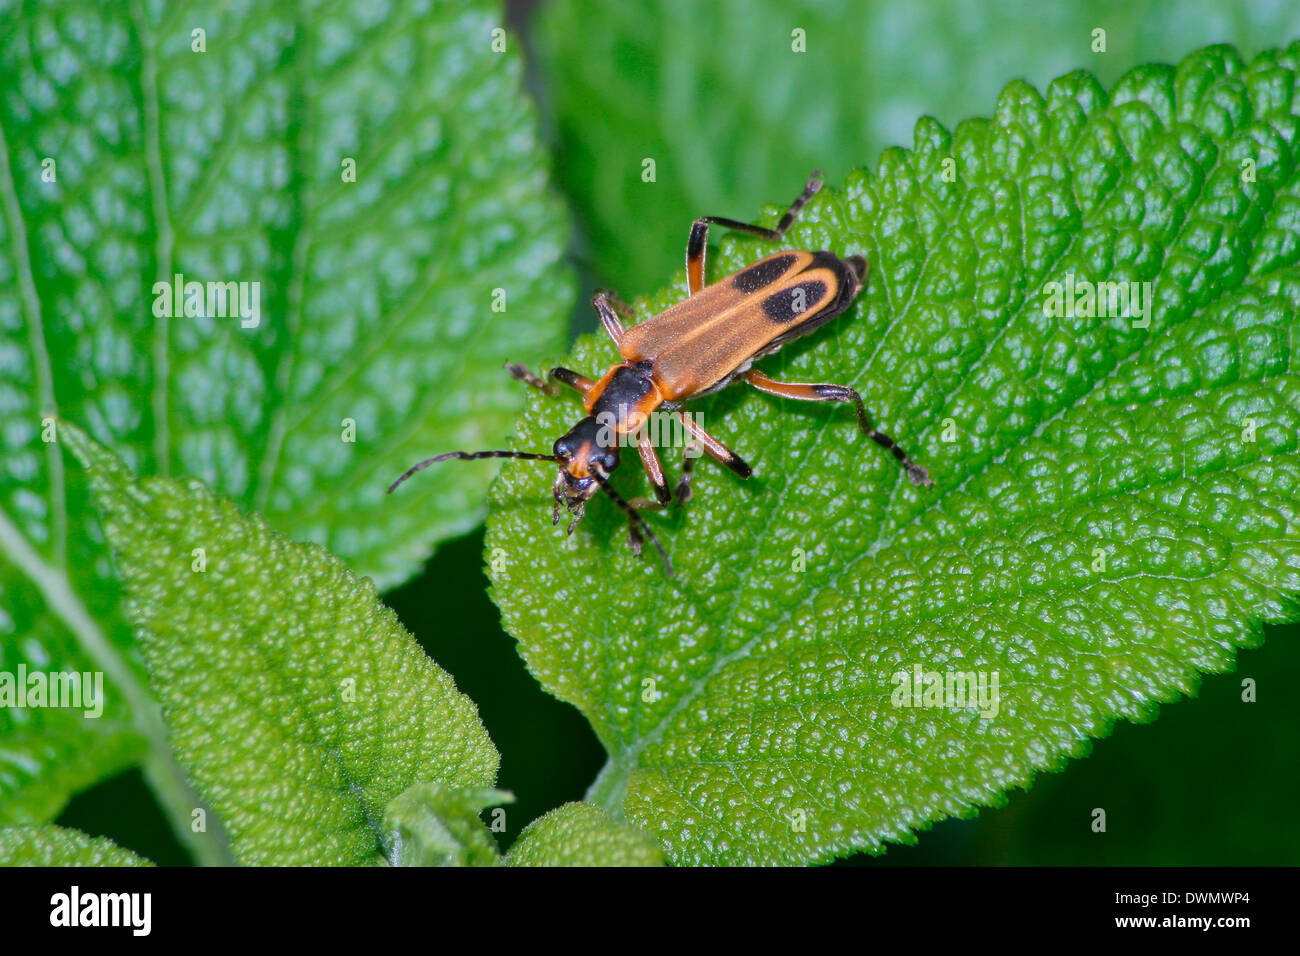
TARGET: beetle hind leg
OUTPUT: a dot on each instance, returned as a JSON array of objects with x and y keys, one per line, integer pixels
[
  {"x": 699, "y": 237},
  {"x": 802, "y": 392}
]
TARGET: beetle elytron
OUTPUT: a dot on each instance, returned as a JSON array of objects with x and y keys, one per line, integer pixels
[{"x": 695, "y": 348}]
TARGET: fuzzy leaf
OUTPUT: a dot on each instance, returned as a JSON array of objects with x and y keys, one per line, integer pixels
[
  {"x": 1114, "y": 509},
  {"x": 128, "y": 156},
  {"x": 580, "y": 834},
  {"x": 57, "y": 846},
  {"x": 296, "y": 700},
  {"x": 432, "y": 825}
]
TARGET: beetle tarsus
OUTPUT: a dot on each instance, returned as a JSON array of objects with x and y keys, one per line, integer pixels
[{"x": 520, "y": 373}]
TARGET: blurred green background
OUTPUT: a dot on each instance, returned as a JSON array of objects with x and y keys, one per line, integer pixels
[{"x": 734, "y": 118}]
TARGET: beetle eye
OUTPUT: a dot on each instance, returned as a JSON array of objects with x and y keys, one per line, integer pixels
[{"x": 561, "y": 449}]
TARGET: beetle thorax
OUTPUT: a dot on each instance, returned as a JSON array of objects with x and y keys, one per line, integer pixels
[{"x": 624, "y": 398}]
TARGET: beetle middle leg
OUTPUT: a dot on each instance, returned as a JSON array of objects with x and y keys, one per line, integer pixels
[
  {"x": 808, "y": 392},
  {"x": 684, "y": 491},
  {"x": 701, "y": 442},
  {"x": 714, "y": 449},
  {"x": 567, "y": 376},
  {"x": 699, "y": 238}
]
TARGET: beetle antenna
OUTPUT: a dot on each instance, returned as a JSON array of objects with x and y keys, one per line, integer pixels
[
  {"x": 638, "y": 522},
  {"x": 470, "y": 456}
]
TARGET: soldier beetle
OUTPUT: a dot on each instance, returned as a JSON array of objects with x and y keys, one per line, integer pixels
[{"x": 696, "y": 347}]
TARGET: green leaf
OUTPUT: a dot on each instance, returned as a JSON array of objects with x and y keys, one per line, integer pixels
[
  {"x": 1114, "y": 510},
  {"x": 58, "y": 846},
  {"x": 726, "y": 123},
  {"x": 580, "y": 834},
  {"x": 1170, "y": 790},
  {"x": 376, "y": 300},
  {"x": 294, "y": 698},
  {"x": 432, "y": 825}
]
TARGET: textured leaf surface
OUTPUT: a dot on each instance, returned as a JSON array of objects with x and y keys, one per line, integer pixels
[
  {"x": 58, "y": 846},
  {"x": 726, "y": 123},
  {"x": 296, "y": 700},
  {"x": 1115, "y": 508},
  {"x": 580, "y": 834},
  {"x": 432, "y": 825},
  {"x": 375, "y": 295}
]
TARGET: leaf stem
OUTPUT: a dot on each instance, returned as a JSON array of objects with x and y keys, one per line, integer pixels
[{"x": 609, "y": 788}]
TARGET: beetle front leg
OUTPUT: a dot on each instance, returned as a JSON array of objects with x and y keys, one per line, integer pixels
[
  {"x": 808, "y": 392},
  {"x": 576, "y": 381},
  {"x": 637, "y": 504},
  {"x": 663, "y": 497},
  {"x": 653, "y": 468},
  {"x": 682, "y": 492}
]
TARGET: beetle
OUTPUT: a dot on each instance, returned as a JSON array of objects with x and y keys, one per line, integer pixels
[{"x": 696, "y": 347}]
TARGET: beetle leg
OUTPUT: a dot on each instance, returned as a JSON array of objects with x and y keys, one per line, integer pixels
[
  {"x": 634, "y": 539},
  {"x": 574, "y": 380},
  {"x": 693, "y": 450},
  {"x": 699, "y": 238},
  {"x": 654, "y": 469},
  {"x": 714, "y": 448},
  {"x": 683, "y": 491},
  {"x": 633, "y": 535},
  {"x": 637, "y": 530},
  {"x": 840, "y": 393},
  {"x": 609, "y": 307}
]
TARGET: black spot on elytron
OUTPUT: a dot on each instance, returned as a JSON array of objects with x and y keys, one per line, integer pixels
[
  {"x": 794, "y": 303},
  {"x": 760, "y": 275}
]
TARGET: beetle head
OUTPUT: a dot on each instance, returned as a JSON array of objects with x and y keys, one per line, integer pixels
[
  {"x": 586, "y": 456},
  {"x": 585, "y": 463}
]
